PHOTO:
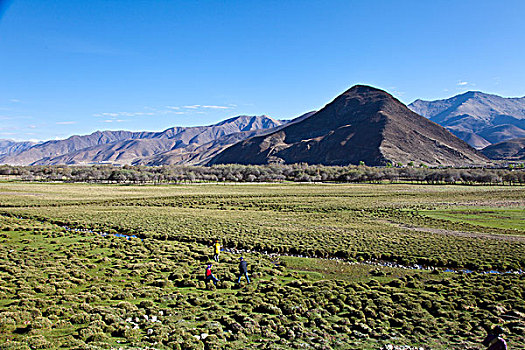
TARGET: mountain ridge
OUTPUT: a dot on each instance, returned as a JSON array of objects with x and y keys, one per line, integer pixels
[
  {"x": 113, "y": 146},
  {"x": 478, "y": 118},
  {"x": 8, "y": 147},
  {"x": 473, "y": 115},
  {"x": 512, "y": 150},
  {"x": 361, "y": 124}
]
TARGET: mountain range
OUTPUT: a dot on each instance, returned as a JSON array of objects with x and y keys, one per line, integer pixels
[
  {"x": 125, "y": 147},
  {"x": 478, "y": 118},
  {"x": 362, "y": 124},
  {"x": 8, "y": 147}
]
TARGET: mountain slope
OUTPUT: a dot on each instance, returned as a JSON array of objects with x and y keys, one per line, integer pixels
[
  {"x": 51, "y": 149},
  {"x": 200, "y": 155},
  {"x": 476, "y": 113},
  {"x": 363, "y": 124},
  {"x": 8, "y": 147},
  {"x": 196, "y": 154},
  {"x": 121, "y": 152},
  {"x": 507, "y": 150},
  {"x": 124, "y": 147}
]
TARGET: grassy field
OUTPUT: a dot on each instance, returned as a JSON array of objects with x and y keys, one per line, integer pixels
[
  {"x": 506, "y": 218},
  {"x": 62, "y": 288}
]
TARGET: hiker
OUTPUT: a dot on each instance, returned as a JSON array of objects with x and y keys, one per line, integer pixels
[
  {"x": 217, "y": 248},
  {"x": 209, "y": 275},
  {"x": 243, "y": 270},
  {"x": 494, "y": 341}
]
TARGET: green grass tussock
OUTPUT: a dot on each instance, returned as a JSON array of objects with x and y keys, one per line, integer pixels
[{"x": 73, "y": 288}]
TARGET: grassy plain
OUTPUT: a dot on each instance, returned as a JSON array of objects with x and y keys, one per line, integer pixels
[
  {"x": 65, "y": 289},
  {"x": 506, "y": 218}
]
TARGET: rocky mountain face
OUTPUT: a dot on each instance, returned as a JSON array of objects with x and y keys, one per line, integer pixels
[
  {"x": 513, "y": 150},
  {"x": 124, "y": 147},
  {"x": 479, "y": 119},
  {"x": 363, "y": 124}
]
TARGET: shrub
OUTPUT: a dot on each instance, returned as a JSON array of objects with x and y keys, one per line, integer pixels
[
  {"x": 80, "y": 318},
  {"x": 126, "y": 306},
  {"x": 39, "y": 342},
  {"x": 146, "y": 304}
]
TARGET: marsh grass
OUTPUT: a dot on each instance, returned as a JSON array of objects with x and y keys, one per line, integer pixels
[
  {"x": 65, "y": 289},
  {"x": 495, "y": 217}
]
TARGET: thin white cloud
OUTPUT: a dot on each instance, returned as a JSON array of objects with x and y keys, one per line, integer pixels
[
  {"x": 122, "y": 114},
  {"x": 14, "y": 100},
  {"x": 18, "y": 117},
  {"x": 217, "y": 107},
  {"x": 135, "y": 114},
  {"x": 186, "y": 109},
  {"x": 31, "y": 126},
  {"x": 66, "y": 123},
  {"x": 462, "y": 83},
  {"x": 115, "y": 120}
]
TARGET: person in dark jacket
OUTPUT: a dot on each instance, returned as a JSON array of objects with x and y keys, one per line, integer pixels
[
  {"x": 494, "y": 341},
  {"x": 243, "y": 270},
  {"x": 209, "y": 275}
]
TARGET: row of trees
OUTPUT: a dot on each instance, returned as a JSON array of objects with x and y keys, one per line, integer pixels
[{"x": 262, "y": 173}]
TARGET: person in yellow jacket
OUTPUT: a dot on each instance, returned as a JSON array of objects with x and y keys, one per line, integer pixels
[{"x": 217, "y": 250}]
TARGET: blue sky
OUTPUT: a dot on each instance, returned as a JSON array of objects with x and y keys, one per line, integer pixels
[{"x": 75, "y": 66}]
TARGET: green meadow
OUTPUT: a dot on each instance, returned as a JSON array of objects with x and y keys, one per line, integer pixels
[
  {"x": 331, "y": 266},
  {"x": 503, "y": 218}
]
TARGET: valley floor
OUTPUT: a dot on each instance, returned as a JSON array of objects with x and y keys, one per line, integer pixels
[{"x": 65, "y": 285}]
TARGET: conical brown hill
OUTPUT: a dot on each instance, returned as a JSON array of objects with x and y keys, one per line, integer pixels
[{"x": 363, "y": 124}]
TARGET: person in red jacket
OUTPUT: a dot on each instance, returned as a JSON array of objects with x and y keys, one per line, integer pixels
[
  {"x": 494, "y": 341},
  {"x": 209, "y": 275}
]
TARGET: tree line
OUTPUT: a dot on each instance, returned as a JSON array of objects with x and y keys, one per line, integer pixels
[{"x": 174, "y": 174}]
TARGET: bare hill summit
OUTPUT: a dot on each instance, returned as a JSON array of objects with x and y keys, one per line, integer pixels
[{"x": 363, "y": 124}]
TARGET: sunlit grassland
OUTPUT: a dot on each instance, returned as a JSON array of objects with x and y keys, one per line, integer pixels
[
  {"x": 64, "y": 289},
  {"x": 345, "y": 234},
  {"x": 504, "y": 218},
  {"x": 345, "y": 195},
  {"x": 350, "y": 221}
]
